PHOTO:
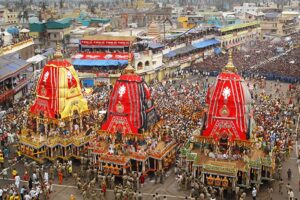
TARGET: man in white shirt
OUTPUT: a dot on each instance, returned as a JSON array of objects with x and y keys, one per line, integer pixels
[
  {"x": 27, "y": 197},
  {"x": 254, "y": 193},
  {"x": 17, "y": 181},
  {"x": 1, "y": 193}
]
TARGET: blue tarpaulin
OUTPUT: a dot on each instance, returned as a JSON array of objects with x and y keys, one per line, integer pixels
[
  {"x": 206, "y": 43},
  {"x": 182, "y": 50},
  {"x": 13, "y": 30},
  {"x": 154, "y": 45},
  {"x": 79, "y": 62},
  {"x": 170, "y": 54},
  {"x": 88, "y": 82},
  {"x": 217, "y": 50}
]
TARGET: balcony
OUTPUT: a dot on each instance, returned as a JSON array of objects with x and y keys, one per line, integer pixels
[
  {"x": 17, "y": 46},
  {"x": 8, "y": 93}
]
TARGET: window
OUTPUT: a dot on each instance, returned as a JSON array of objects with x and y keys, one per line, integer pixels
[
  {"x": 147, "y": 63},
  {"x": 140, "y": 65}
]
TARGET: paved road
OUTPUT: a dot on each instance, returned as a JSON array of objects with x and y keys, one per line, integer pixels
[{"x": 169, "y": 188}]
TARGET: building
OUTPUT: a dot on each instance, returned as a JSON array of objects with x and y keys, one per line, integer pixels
[
  {"x": 8, "y": 16},
  {"x": 24, "y": 48},
  {"x": 15, "y": 75},
  {"x": 158, "y": 15},
  {"x": 58, "y": 31},
  {"x": 104, "y": 55},
  {"x": 276, "y": 24},
  {"x": 246, "y": 7},
  {"x": 38, "y": 31},
  {"x": 189, "y": 21},
  {"x": 237, "y": 34}
]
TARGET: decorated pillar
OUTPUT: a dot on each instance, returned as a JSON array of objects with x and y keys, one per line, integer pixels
[
  {"x": 80, "y": 123},
  {"x": 159, "y": 164},
  {"x": 37, "y": 124},
  {"x": 46, "y": 127},
  {"x": 194, "y": 172},
  {"x": 143, "y": 167},
  {"x": 137, "y": 166}
]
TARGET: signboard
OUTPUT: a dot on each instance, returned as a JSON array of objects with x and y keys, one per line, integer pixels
[
  {"x": 102, "y": 56},
  {"x": 122, "y": 43}
]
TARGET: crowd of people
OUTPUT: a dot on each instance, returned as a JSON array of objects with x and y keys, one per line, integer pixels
[
  {"x": 179, "y": 103},
  {"x": 274, "y": 60}
]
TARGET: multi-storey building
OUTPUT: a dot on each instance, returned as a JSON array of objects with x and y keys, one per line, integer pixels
[{"x": 277, "y": 25}]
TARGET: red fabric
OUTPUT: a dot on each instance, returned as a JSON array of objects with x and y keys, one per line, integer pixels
[
  {"x": 233, "y": 122},
  {"x": 125, "y": 114},
  {"x": 47, "y": 99},
  {"x": 142, "y": 179}
]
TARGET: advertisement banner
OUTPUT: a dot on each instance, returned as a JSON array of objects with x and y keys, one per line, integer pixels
[{"x": 105, "y": 43}]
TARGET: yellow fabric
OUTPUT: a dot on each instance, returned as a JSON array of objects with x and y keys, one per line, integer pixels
[{"x": 70, "y": 99}]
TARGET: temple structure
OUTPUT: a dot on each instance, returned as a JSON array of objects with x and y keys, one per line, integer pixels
[
  {"x": 224, "y": 152},
  {"x": 130, "y": 107},
  {"x": 131, "y": 138},
  {"x": 57, "y": 115}
]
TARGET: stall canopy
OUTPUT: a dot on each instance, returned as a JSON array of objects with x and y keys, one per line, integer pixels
[
  {"x": 154, "y": 45},
  {"x": 182, "y": 50},
  {"x": 13, "y": 30},
  {"x": 206, "y": 43},
  {"x": 36, "y": 59},
  {"x": 10, "y": 65},
  {"x": 79, "y": 62}
]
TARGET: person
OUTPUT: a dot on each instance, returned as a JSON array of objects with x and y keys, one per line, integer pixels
[
  {"x": 289, "y": 173},
  {"x": 17, "y": 181},
  {"x": 291, "y": 194},
  {"x": 72, "y": 197},
  {"x": 5, "y": 173},
  {"x": 280, "y": 185},
  {"x": 14, "y": 173},
  {"x": 1, "y": 159},
  {"x": 142, "y": 180},
  {"x": 22, "y": 192},
  {"x": 270, "y": 193},
  {"x": 254, "y": 193},
  {"x": 1, "y": 193},
  {"x": 140, "y": 196},
  {"x": 60, "y": 177}
]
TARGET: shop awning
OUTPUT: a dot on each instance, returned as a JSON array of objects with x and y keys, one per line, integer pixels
[
  {"x": 79, "y": 62},
  {"x": 154, "y": 45},
  {"x": 206, "y": 43},
  {"x": 180, "y": 51}
]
